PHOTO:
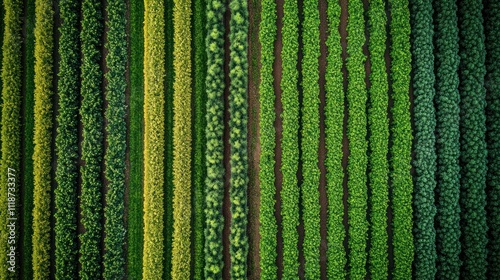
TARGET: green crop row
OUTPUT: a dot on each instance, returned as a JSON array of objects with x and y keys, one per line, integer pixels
[
  {"x": 378, "y": 126},
  {"x": 290, "y": 139},
  {"x": 472, "y": 139},
  {"x": 92, "y": 142},
  {"x": 214, "y": 190},
  {"x": 492, "y": 83},
  {"x": 334, "y": 122},
  {"x": 356, "y": 133},
  {"x": 424, "y": 144},
  {"x": 268, "y": 227},
  {"x": 310, "y": 138},
  {"x": 447, "y": 101},
  {"x": 181, "y": 241},
  {"x": 67, "y": 142},
  {"x": 238, "y": 75},
  {"x": 11, "y": 121},
  {"x": 154, "y": 136},
  {"x": 116, "y": 60},
  {"x": 401, "y": 181},
  {"x": 42, "y": 155}
]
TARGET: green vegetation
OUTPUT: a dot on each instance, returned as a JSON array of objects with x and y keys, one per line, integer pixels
[
  {"x": 238, "y": 136},
  {"x": 424, "y": 145},
  {"x": 472, "y": 139},
  {"x": 268, "y": 227},
  {"x": 181, "y": 247},
  {"x": 42, "y": 155},
  {"x": 447, "y": 140},
  {"x": 67, "y": 142},
  {"x": 492, "y": 83},
  {"x": 116, "y": 60},
  {"x": 154, "y": 145},
  {"x": 378, "y": 126},
  {"x": 334, "y": 121},
  {"x": 214, "y": 181},
  {"x": 400, "y": 177},
  {"x": 356, "y": 133}
]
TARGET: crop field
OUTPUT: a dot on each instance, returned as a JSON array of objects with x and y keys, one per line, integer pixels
[{"x": 250, "y": 139}]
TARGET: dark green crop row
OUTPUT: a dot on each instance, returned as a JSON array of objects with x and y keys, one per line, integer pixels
[
  {"x": 67, "y": 142},
  {"x": 356, "y": 133},
  {"x": 268, "y": 227},
  {"x": 214, "y": 190},
  {"x": 472, "y": 139},
  {"x": 378, "y": 126},
  {"x": 290, "y": 139},
  {"x": 447, "y": 140},
  {"x": 116, "y": 60}
]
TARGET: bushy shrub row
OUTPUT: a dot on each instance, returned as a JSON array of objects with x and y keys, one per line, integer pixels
[
  {"x": 116, "y": 60},
  {"x": 154, "y": 138},
  {"x": 238, "y": 75},
  {"x": 42, "y": 156},
  {"x": 181, "y": 241},
  {"x": 472, "y": 139},
  {"x": 401, "y": 182},
  {"x": 67, "y": 141},
  {"x": 378, "y": 127},
  {"x": 334, "y": 122},
  {"x": 268, "y": 227},
  {"x": 424, "y": 144},
  {"x": 356, "y": 133},
  {"x": 290, "y": 139},
  {"x": 214, "y": 190},
  {"x": 447, "y": 101},
  {"x": 11, "y": 123},
  {"x": 492, "y": 83}
]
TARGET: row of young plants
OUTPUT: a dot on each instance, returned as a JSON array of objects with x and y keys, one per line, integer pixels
[
  {"x": 378, "y": 141},
  {"x": 92, "y": 142},
  {"x": 181, "y": 241},
  {"x": 356, "y": 133},
  {"x": 67, "y": 142},
  {"x": 11, "y": 122},
  {"x": 154, "y": 136},
  {"x": 42, "y": 154},
  {"x": 310, "y": 138},
  {"x": 472, "y": 139},
  {"x": 238, "y": 74},
  {"x": 401, "y": 181},
  {"x": 268, "y": 227},
  {"x": 214, "y": 181},
  {"x": 447, "y": 103},
  {"x": 334, "y": 123},
  {"x": 116, "y": 62}
]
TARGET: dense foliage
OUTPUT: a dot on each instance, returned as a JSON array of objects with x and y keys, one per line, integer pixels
[
  {"x": 424, "y": 144},
  {"x": 334, "y": 121},
  {"x": 238, "y": 66},
  {"x": 214, "y": 181},
  {"x": 472, "y": 139},
  {"x": 378, "y": 127},
  {"x": 268, "y": 228},
  {"x": 181, "y": 242},
  {"x": 67, "y": 142},
  {"x": 492, "y": 83},
  {"x": 154, "y": 144},
  {"x": 447, "y": 101},
  {"x": 310, "y": 139},
  {"x": 42, "y": 156},
  {"x": 401, "y": 140},
  {"x": 356, "y": 133},
  {"x": 116, "y": 61},
  {"x": 11, "y": 121},
  {"x": 290, "y": 139}
]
